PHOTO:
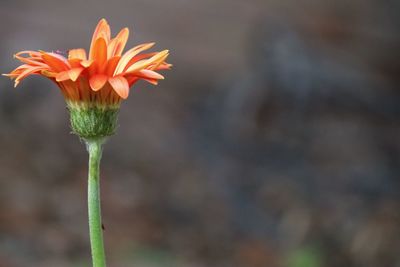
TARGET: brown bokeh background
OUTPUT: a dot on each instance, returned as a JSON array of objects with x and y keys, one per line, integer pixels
[{"x": 273, "y": 142}]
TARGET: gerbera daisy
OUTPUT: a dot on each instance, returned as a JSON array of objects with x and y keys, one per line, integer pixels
[
  {"x": 94, "y": 86},
  {"x": 99, "y": 80}
]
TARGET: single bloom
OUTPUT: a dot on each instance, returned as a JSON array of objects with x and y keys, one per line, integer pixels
[
  {"x": 94, "y": 86},
  {"x": 101, "y": 78}
]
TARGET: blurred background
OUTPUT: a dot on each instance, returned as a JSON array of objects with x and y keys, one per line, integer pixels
[{"x": 273, "y": 142}]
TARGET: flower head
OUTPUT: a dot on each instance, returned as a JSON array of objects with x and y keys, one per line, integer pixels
[
  {"x": 103, "y": 77},
  {"x": 95, "y": 84}
]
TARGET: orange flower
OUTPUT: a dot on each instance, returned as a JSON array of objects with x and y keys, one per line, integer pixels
[{"x": 104, "y": 77}]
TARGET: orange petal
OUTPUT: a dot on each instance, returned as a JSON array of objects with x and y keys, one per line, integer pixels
[
  {"x": 78, "y": 53},
  {"x": 117, "y": 44},
  {"x": 75, "y": 62},
  {"x": 30, "y": 61},
  {"x": 62, "y": 76},
  {"x": 100, "y": 53},
  {"x": 71, "y": 74},
  {"x": 129, "y": 55},
  {"x": 149, "y": 74},
  {"x": 164, "y": 66},
  {"x": 48, "y": 74},
  {"x": 19, "y": 69},
  {"x": 120, "y": 85},
  {"x": 142, "y": 64},
  {"x": 102, "y": 31},
  {"x": 74, "y": 73},
  {"x": 139, "y": 57},
  {"x": 87, "y": 63},
  {"x": 10, "y": 75},
  {"x": 159, "y": 63},
  {"x": 111, "y": 65},
  {"x": 97, "y": 81},
  {"x": 26, "y": 73},
  {"x": 30, "y": 52},
  {"x": 55, "y": 62}
]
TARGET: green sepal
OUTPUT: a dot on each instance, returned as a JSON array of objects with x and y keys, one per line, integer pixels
[{"x": 93, "y": 122}]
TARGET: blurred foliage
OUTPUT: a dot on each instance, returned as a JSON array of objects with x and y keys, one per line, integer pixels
[{"x": 305, "y": 257}]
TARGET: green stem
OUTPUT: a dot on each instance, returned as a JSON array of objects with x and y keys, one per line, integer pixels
[{"x": 94, "y": 147}]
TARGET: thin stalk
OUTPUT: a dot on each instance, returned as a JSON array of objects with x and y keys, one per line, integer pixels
[{"x": 94, "y": 148}]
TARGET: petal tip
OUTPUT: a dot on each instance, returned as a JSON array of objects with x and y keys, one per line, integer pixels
[
  {"x": 97, "y": 82},
  {"x": 120, "y": 86},
  {"x": 103, "y": 21}
]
